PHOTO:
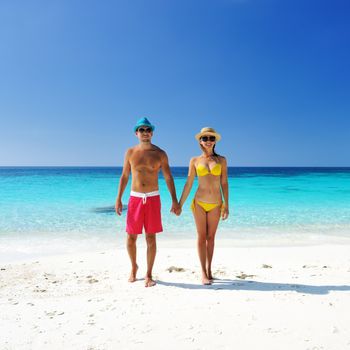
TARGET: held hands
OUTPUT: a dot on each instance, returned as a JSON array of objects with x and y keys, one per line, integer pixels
[
  {"x": 224, "y": 212},
  {"x": 176, "y": 208},
  {"x": 118, "y": 207}
]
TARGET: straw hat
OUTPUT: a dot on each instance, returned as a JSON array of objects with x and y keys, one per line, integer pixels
[{"x": 208, "y": 131}]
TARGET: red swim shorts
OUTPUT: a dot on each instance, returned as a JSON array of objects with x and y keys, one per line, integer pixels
[{"x": 144, "y": 210}]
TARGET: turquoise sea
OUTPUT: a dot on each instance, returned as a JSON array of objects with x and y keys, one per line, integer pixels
[{"x": 46, "y": 210}]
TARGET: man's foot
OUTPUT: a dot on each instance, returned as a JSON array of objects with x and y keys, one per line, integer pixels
[
  {"x": 210, "y": 276},
  {"x": 132, "y": 277},
  {"x": 149, "y": 282}
]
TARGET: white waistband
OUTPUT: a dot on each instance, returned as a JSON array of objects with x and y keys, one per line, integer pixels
[{"x": 144, "y": 195}]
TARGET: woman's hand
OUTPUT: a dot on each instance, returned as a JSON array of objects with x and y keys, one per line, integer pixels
[
  {"x": 224, "y": 211},
  {"x": 176, "y": 208}
]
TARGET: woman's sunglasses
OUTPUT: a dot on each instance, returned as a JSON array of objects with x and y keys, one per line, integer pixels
[
  {"x": 208, "y": 138},
  {"x": 144, "y": 130}
]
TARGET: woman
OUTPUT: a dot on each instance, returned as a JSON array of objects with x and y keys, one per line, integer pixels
[{"x": 207, "y": 205}]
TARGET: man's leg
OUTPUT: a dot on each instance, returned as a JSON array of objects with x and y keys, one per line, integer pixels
[
  {"x": 151, "y": 255},
  {"x": 131, "y": 246}
]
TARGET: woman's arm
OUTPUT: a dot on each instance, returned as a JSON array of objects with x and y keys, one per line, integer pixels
[
  {"x": 188, "y": 185},
  {"x": 224, "y": 188}
]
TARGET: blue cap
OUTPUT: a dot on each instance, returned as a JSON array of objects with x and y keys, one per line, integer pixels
[{"x": 143, "y": 122}]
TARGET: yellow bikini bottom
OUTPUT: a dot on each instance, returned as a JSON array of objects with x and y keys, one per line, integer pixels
[{"x": 206, "y": 206}]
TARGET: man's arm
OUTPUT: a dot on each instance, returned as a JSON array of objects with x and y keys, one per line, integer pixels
[
  {"x": 169, "y": 182},
  {"x": 124, "y": 178}
]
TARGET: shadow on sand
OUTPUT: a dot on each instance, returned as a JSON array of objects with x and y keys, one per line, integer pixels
[{"x": 228, "y": 284}]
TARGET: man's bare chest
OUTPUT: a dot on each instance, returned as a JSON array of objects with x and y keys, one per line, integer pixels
[{"x": 149, "y": 160}]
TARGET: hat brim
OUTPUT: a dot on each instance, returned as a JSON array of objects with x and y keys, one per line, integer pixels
[{"x": 217, "y": 136}]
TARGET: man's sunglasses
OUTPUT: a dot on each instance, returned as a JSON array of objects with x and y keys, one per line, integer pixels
[
  {"x": 144, "y": 130},
  {"x": 208, "y": 138}
]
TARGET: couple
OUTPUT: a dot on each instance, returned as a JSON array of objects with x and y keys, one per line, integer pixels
[{"x": 144, "y": 161}]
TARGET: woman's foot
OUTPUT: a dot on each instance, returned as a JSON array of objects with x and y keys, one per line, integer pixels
[
  {"x": 205, "y": 280},
  {"x": 149, "y": 282},
  {"x": 133, "y": 273}
]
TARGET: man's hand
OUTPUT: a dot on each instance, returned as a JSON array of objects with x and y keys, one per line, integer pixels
[
  {"x": 224, "y": 212},
  {"x": 118, "y": 207},
  {"x": 178, "y": 211}
]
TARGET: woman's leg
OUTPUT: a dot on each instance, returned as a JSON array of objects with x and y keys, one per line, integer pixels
[
  {"x": 213, "y": 218},
  {"x": 200, "y": 218}
]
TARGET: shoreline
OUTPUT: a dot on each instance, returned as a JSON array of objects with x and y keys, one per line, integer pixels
[{"x": 21, "y": 248}]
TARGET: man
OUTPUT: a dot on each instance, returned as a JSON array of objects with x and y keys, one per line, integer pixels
[{"x": 144, "y": 161}]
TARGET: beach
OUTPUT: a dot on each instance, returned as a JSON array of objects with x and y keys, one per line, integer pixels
[
  {"x": 281, "y": 263},
  {"x": 290, "y": 297},
  {"x": 203, "y": 122}
]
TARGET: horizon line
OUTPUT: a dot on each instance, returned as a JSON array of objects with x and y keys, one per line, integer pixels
[{"x": 172, "y": 166}]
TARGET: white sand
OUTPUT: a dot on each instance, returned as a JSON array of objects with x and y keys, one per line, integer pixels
[{"x": 85, "y": 302}]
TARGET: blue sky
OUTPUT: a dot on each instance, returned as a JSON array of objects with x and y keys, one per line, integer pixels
[{"x": 271, "y": 76}]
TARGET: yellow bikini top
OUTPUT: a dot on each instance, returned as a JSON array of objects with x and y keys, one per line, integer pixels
[{"x": 202, "y": 170}]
